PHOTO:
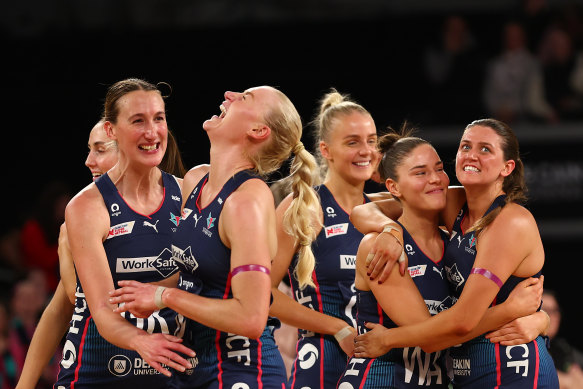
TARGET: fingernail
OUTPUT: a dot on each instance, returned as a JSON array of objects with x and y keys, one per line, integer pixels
[
  {"x": 368, "y": 274},
  {"x": 380, "y": 282}
]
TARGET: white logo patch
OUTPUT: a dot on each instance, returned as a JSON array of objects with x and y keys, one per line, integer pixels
[
  {"x": 336, "y": 229},
  {"x": 121, "y": 229},
  {"x": 347, "y": 261}
]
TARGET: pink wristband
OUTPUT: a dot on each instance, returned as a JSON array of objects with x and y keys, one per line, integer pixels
[
  {"x": 251, "y": 267},
  {"x": 488, "y": 274}
]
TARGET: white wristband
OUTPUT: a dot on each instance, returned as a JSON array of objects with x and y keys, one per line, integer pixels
[
  {"x": 343, "y": 333},
  {"x": 158, "y": 297}
]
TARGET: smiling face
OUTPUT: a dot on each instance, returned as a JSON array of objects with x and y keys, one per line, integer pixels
[
  {"x": 351, "y": 147},
  {"x": 422, "y": 182},
  {"x": 102, "y": 152},
  {"x": 140, "y": 129},
  {"x": 480, "y": 158}
]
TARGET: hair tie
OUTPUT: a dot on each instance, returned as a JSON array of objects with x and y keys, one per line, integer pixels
[{"x": 298, "y": 148}]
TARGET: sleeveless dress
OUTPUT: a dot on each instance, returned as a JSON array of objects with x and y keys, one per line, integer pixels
[
  {"x": 223, "y": 360},
  {"x": 479, "y": 363},
  {"x": 408, "y": 367},
  {"x": 137, "y": 248}
]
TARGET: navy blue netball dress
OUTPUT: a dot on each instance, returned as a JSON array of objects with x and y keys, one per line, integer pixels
[
  {"x": 223, "y": 360},
  {"x": 408, "y": 367},
  {"x": 137, "y": 248},
  {"x": 320, "y": 361},
  {"x": 479, "y": 363}
]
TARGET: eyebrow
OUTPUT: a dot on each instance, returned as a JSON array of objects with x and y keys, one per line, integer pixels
[
  {"x": 479, "y": 143},
  {"x": 424, "y": 166}
]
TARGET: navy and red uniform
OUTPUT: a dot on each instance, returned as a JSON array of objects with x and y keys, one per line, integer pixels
[
  {"x": 137, "y": 248},
  {"x": 320, "y": 361},
  {"x": 223, "y": 360},
  {"x": 479, "y": 363},
  {"x": 408, "y": 367}
]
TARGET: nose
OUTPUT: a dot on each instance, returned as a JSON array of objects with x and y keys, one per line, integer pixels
[
  {"x": 230, "y": 96},
  {"x": 434, "y": 177},
  {"x": 90, "y": 161}
]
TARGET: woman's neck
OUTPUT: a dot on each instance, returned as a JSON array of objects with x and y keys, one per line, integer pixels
[
  {"x": 479, "y": 199},
  {"x": 347, "y": 195},
  {"x": 420, "y": 223},
  {"x": 141, "y": 187},
  {"x": 223, "y": 165}
]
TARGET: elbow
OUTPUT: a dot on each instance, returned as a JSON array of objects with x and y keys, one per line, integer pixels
[
  {"x": 253, "y": 329},
  {"x": 463, "y": 327}
]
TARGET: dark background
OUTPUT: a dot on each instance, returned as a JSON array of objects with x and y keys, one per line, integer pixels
[{"x": 59, "y": 57}]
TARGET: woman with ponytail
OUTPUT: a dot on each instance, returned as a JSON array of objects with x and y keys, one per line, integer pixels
[
  {"x": 224, "y": 244},
  {"x": 317, "y": 244},
  {"x": 494, "y": 248}
]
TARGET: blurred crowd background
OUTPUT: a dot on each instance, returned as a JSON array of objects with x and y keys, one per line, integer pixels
[{"x": 437, "y": 64}]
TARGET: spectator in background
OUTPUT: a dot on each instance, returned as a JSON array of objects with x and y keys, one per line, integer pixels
[
  {"x": 453, "y": 69},
  {"x": 8, "y": 373},
  {"x": 513, "y": 89},
  {"x": 535, "y": 16},
  {"x": 568, "y": 360},
  {"x": 27, "y": 301},
  {"x": 40, "y": 232},
  {"x": 562, "y": 69}
]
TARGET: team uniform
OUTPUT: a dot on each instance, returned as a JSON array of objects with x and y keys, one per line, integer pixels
[
  {"x": 320, "y": 361},
  {"x": 479, "y": 363},
  {"x": 408, "y": 367},
  {"x": 223, "y": 360},
  {"x": 137, "y": 248}
]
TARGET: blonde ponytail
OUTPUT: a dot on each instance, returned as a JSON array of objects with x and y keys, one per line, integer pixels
[{"x": 298, "y": 220}]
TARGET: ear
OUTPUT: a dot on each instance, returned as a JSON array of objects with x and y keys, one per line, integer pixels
[
  {"x": 393, "y": 187},
  {"x": 259, "y": 133},
  {"x": 324, "y": 150},
  {"x": 508, "y": 168},
  {"x": 109, "y": 130}
]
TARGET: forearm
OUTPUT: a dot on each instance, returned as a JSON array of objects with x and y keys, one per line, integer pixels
[
  {"x": 114, "y": 328},
  {"x": 368, "y": 218},
  {"x": 494, "y": 317},
  {"x": 50, "y": 330},
  {"x": 295, "y": 314},
  {"x": 231, "y": 315}
]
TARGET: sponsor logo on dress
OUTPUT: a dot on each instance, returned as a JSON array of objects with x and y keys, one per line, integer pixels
[
  {"x": 347, "y": 261},
  {"x": 148, "y": 224},
  {"x": 454, "y": 276},
  {"x": 121, "y": 229},
  {"x": 416, "y": 271},
  {"x": 409, "y": 249},
  {"x": 163, "y": 263},
  {"x": 185, "y": 258},
  {"x": 185, "y": 213},
  {"x": 115, "y": 209},
  {"x": 461, "y": 366},
  {"x": 336, "y": 229},
  {"x": 119, "y": 365},
  {"x": 330, "y": 212}
]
